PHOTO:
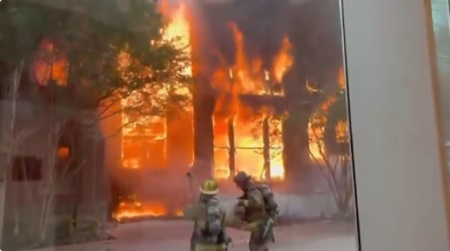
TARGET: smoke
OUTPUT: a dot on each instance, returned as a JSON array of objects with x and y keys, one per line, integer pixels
[
  {"x": 263, "y": 26},
  {"x": 260, "y": 21},
  {"x": 314, "y": 28}
]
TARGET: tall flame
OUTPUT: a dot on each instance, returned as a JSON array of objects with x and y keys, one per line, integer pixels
[
  {"x": 242, "y": 68},
  {"x": 178, "y": 32},
  {"x": 247, "y": 76},
  {"x": 136, "y": 142},
  {"x": 283, "y": 61}
]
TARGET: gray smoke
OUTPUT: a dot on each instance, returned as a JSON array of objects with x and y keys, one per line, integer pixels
[
  {"x": 261, "y": 22},
  {"x": 314, "y": 28}
]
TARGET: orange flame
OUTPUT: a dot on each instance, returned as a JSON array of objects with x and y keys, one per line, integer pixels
[
  {"x": 49, "y": 64},
  {"x": 244, "y": 69},
  {"x": 341, "y": 78},
  {"x": 247, "y": 76},
  {"x": 133, "y": 138},
  {"x": 144, "y": 134},
  {"x": 178, "y": 32},
  {"x": 316, "y": 128},
  {"x": 128, "y": 210},
  {"x": 283, "y": 61}
]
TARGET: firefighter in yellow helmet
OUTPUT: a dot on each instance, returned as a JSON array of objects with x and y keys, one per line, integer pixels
[{"x": 209, "y": 220}]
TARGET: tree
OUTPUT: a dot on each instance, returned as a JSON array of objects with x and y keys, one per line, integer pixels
[
  {"x": 91, "y": 60},
  {"x": 90, "y": 46},
  {"x": 331, "y": 138}
]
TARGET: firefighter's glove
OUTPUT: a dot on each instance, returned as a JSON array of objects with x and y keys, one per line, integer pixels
[
  {"x": 270, "y": 221},
  {"x": 243, "y": 203}
]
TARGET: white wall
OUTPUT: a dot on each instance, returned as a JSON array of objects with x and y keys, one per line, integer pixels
[
  {"x": 440, "y": 10},
  {"x": 398, "y": 158}
]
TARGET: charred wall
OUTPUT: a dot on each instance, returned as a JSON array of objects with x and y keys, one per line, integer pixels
[{"x": 56, "y": 190}]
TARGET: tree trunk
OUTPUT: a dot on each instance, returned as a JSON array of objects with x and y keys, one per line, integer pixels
[
  {"x": 266, "y": 149},
  {"x": 203, "y": 130},
  {"x": 203, "y": 95},
  {"x": 50, "y": 182},
  {"x": 296, "y": 149},
  {"x": 295, "y": 126}
]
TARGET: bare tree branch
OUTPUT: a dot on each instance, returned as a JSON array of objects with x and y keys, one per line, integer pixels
[{"x": 337, "y": 174}]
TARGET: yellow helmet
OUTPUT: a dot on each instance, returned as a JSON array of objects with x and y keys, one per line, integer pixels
[{"x": 210, "y": 187}]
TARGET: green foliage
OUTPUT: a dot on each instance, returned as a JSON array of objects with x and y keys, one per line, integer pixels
[{"x": 90, "y": 36}]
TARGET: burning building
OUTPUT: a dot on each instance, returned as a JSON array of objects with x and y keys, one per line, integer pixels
[{"x": 255, "y": 88}]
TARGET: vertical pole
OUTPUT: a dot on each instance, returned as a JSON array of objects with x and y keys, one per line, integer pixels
[
  {"x": 231, "y": 147},
  {"x": 266, "y": 149}
]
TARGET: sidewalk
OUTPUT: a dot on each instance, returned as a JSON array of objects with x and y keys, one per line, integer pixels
[{"x": 174, "y": 236}]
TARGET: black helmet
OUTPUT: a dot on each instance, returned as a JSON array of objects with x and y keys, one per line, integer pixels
[{"x": 241, "y": 178}]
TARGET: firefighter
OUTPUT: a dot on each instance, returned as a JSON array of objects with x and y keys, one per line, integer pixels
[
  {"x": 258, "y": 209},
  {"x": 209, "y": 220}
]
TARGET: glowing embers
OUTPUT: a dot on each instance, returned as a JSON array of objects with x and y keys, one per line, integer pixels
[
  {"x": 319, "y": 121},
  {"x": 252, "y": 144},
  {"x": 133, "y": 208},
  {"x": 140, "y": 152},
  {"x": 49, "y": 64},
  {"x": 143, "y": 141}
]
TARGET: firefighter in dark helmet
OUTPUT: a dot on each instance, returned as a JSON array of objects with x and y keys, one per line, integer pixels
[
  {"x": 209, "y": 220},
  {"x": 258, "y": 209}
]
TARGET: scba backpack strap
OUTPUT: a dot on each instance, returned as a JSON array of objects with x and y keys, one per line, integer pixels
[
  {"x": 213, "y": 217},
  {"x": 269, "y": 200}
]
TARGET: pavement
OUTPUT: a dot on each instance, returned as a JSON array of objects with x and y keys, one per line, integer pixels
[{"x": 159, "y": 235}]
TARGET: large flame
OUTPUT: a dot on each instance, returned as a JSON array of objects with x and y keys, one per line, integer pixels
[
  {"x": 178, "y": 33},
  {"x": 247, "y": 76},
  {"x": 135, "y": 142},
  {"x": 144, "y": 136}
]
